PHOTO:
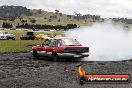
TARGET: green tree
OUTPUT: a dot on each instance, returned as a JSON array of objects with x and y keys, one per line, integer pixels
[
  {"x": 7, "y": 25},
  {"x": 33, "y": 21},
  {"x": 39, "y": 11},
  {"x": 59, "y": 20},
  {"x": 12, "y": 18}
]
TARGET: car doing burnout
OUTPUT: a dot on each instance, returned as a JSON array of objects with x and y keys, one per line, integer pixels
[{"x": 60, "y": 47}]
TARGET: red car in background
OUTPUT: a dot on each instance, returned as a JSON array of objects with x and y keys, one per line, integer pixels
[{"x": 60, "y": 47}]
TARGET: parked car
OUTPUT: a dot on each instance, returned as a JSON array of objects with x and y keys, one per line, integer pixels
[
  {"x": 58, "y": 36},
  {"x": 60, "y": 47},
  {"x": 28, "y": 36},
  {"x": 6, "y": 35},
  {"x": 42, "y": 37}
]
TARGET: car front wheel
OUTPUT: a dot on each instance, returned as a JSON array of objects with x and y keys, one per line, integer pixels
[
  {"x": 7, "y": 38},
  {"x": 13, "y": 38},
  {"x": 55, "y": 56},
  {"x": 82, "y": 80},
  {"x": 35, "y": 54}
]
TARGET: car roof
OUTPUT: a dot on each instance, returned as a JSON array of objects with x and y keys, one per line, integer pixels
[
  {"x": 62, "y": 38},
  {"x": 30, "y": 32}
]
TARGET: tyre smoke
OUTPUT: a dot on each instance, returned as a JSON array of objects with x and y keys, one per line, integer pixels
[{"x": 107, "y": 41}]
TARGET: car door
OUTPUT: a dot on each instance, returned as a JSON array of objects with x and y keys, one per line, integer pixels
[
  {"x": 0, "y": 35},
  {"x": 59, "y": 48},
  {"x": 41, "y": 50},
  {"x": 52, "y": 46}
]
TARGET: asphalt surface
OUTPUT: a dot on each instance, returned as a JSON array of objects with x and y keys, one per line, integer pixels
[{"x": 20, "y": 70}]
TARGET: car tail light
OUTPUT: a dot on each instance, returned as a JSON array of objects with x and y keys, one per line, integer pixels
[{"x": 76, "y": 50}]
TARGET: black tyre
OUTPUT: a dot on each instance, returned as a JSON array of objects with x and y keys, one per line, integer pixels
[
  {"x": 55, "y": 56},
  {"x": 35, "y": 54},
  {"x": 13, "y": 38},
  {"x": 21, "y": 38},
  {"x": 7, "y": 38},
  {"x": 32, "y": 38},
  {"x": 82, "y": 80}
]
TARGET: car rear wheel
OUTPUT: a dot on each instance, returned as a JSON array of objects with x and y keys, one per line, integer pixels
[
  {"x": 35, "y": 54},
  {"x": 32, "y": 38},
  {"x": 55, "y": 56},
  {"x": 7, "y": 38},
  {"x": 82, "y": 80},
  {"x": 13, "y": 38}
]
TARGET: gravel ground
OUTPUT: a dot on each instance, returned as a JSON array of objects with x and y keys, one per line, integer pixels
[{"x": 20, "y": 70}]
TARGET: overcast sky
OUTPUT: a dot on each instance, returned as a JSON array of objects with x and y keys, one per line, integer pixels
[{"x": 105, "y": 8}]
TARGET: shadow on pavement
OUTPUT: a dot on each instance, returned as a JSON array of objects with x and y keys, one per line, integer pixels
[{"x": 61, "y": 59}]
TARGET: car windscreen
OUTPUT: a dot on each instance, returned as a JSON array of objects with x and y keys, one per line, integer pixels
[
  {"x": 70, "y": 42},
  {"x": 6, "y": 32}
]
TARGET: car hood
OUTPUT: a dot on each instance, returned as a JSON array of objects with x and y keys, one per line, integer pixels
[
  {"x": 10, "y": 35},
  {"x": 75, "y": 46}
]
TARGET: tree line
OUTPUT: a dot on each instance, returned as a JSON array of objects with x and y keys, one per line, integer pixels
[
  {"x": 123, "y": 20},
  {"x": 38, "y": 26},
  {"x": 6, "y": 25}
]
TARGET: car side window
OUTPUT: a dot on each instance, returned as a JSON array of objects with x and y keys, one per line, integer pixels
[
  {"x": 46, "y": 42},
  {"x": 53, "y": 43},
  {"x": 59, "y": 43}
]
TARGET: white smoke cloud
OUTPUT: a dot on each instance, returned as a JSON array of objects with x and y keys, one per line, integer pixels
[
  {"x": 106, "y": 8},
  {"x": 107, "y": 41}
]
